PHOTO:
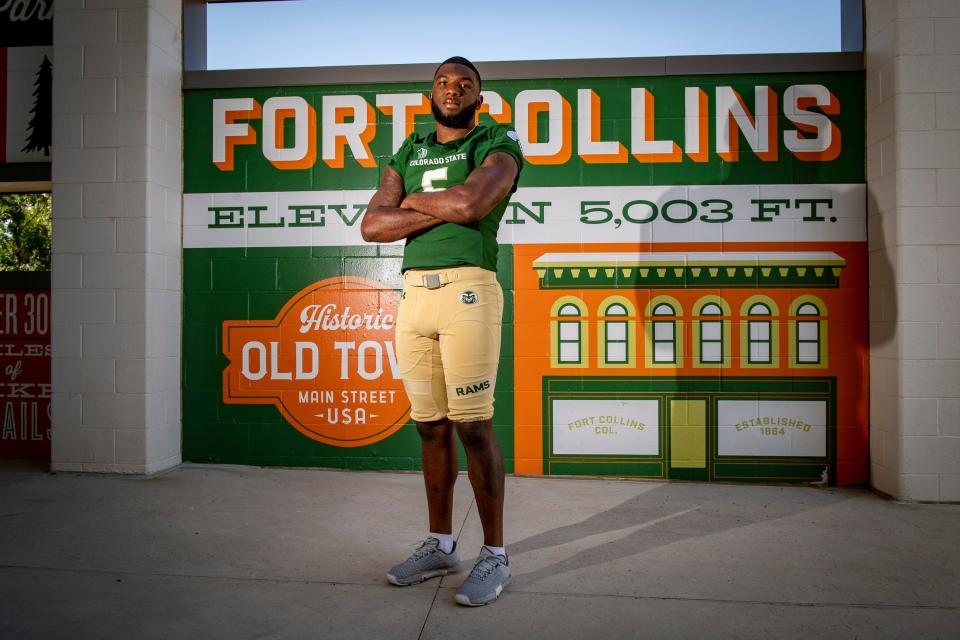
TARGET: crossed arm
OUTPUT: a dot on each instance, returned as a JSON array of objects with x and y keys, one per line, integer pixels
[{"x": 391, "y": 216}]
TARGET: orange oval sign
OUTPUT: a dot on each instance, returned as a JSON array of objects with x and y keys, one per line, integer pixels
[{"x": 327, "y": 362}]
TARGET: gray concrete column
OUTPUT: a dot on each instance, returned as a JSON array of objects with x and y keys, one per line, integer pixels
[
  {"x": 913, "y": 178},
  {"x": 117, "y": 187}
]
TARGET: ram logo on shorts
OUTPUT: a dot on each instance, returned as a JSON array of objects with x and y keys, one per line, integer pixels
[
  {"x": 468, "y": 297},
  {"x": 470, "y": 389}
]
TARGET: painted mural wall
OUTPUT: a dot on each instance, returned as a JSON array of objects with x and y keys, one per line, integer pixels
[
  {"x": 684, "y": 267},
  {"x": 25, "y": 385}
]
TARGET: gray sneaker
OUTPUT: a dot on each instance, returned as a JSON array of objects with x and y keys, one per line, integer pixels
[
  {"x": 490, "y": 576},
  {"x": 428, "y": 561}
]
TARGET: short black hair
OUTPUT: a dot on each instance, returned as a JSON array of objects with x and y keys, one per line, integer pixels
[{"x": 464, "y": 62}]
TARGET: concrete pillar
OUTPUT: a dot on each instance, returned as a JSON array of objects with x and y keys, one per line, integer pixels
[
  {"x": 913, "y": 176},
  {"x": 117, "y": 152}
]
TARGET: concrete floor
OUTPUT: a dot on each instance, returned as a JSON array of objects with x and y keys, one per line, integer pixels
[{"x": 242, "y": 552}]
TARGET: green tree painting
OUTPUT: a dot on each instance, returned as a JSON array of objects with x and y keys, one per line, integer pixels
[{"x": 25, "y": 231}]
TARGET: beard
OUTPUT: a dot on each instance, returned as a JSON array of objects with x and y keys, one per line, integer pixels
[{"x": 461, "y": 120}]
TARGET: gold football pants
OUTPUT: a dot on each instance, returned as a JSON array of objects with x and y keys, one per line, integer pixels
[{"x": 448, "y": 342}]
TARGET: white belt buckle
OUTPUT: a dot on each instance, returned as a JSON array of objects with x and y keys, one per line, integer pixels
[{"x": 432, "y": 281}]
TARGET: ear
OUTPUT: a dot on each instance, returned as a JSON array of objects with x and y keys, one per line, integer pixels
[{"x": 479, "y": 102}]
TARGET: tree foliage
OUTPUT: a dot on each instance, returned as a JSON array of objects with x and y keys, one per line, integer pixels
[{"x": 25, "y": 226}]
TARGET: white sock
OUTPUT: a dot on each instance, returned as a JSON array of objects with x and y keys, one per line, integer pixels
[
  {"x": 446, "y": 541},
  {"x": 500, "y": 551}
]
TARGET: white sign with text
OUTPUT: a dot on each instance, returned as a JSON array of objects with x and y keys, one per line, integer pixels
[
  {"x": 539, "y": 215},
  {"x": 606, "y": 427},
  {"x": 788, "y": 428}
]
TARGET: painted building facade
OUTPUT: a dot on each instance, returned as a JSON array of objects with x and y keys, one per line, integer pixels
[{"x": 728, "y": 365}]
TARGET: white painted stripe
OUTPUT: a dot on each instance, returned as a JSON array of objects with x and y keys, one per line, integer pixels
[
  {"x": 566, "y": 212},
  {"x": 693, "y": 258}
]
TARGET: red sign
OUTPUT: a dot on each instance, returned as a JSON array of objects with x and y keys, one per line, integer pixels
[
  {"x": 25, "y": 374},
  {"x": 327, "y": 361}
]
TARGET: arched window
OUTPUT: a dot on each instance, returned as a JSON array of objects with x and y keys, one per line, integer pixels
[
  {"x": 568, "y": 344},
  {"x": 759, "y": 335},
  {"x": 711, "y": 334},
  {"x": 712, "y": 347},
  {"x": 664, "y": 334},
  {"x": 808, "y": 335},
  {"x": 617, "y": 333},
  {"x": 808, "y": 332},
  {"x": 616, "y": 337},
  {"x": 568, "y": 324}
]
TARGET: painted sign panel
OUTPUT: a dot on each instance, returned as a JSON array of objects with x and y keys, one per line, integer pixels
[
  {"x": 26, "y": 80},
  {"x": 26, "y": 107},
  {"x": 25, "y": 374},
  {"x": 538, "y": 215},
  {"x": 327, "y": 362},
  {"x": 679, "y": 130},
  {"x": 25, "y": 23},
  {"x": 676, "y": 244},
  {"x": 606, "y": 427},
  {"x": 772, "y": 428}
]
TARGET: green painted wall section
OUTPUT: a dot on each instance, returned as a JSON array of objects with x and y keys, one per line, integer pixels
[{"x": 239, "y": 284}]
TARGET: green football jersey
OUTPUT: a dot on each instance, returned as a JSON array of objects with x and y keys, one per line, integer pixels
[{"x": 426, "y": 165}]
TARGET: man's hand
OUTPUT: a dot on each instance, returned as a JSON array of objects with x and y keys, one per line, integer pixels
[
  {"x": 385, "y": 220},
  {"x": 475, "y": 198}
]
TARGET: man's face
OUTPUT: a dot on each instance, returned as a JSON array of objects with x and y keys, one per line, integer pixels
[{"x": 455, "y": 97}]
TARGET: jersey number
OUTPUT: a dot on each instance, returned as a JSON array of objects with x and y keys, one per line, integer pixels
[{"x": 434, "y": 175}]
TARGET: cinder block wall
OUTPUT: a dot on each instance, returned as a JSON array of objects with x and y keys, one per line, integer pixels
[
  {"x": 913, "y": 175},
  {"x": 116, "y": 235}
]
